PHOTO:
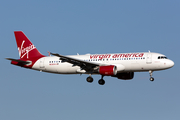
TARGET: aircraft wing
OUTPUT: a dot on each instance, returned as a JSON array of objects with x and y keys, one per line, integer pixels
[{"x": 86, "y": 65}]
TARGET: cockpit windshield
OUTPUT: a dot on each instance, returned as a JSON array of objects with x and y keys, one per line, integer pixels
[{"x": 162, "y": 57}]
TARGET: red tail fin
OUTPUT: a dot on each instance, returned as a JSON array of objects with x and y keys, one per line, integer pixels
[{"x": 26, "y": 49}]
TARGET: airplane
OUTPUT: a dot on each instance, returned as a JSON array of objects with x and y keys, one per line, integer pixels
[{"x": 119, "y": 65}]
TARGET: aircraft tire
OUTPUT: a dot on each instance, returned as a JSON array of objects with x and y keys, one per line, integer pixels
[
  {"x": 101, "y": 82},
  {"x": 151, "y": 79},
  {"x": 89, "y": 79}
]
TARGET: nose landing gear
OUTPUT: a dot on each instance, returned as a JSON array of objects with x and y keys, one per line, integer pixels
[{"x": 151, "y": 78}]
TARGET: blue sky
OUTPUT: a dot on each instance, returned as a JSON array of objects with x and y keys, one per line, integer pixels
[{"x": 96, "y": 26}]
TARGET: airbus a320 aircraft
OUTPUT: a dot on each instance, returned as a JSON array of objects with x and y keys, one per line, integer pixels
[{"x": 119, "y": 65}]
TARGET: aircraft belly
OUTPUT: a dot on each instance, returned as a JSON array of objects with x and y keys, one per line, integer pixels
[
  {"x": 60, "y": 68},
  {"x": 132, "y": 66},
  {"x": 67, "y": 69},
  {"x": 138, "y": 66}
]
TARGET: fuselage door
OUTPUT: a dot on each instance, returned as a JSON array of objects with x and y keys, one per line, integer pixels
[{"x": 149, "y": 58}]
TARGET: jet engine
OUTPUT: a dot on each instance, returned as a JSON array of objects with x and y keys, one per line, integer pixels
[
  {"x": 125, "y": 76},
  {"x": 108, "y": 70}
]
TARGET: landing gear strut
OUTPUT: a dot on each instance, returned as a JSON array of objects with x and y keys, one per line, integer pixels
[
  {"x": 101, "y": 81},
  {"x": 151, "y": 78}
]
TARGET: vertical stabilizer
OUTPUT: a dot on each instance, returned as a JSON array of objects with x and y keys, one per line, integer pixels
[{"x": 27, "y": 50}]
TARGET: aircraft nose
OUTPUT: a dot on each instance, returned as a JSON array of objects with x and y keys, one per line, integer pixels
[{"x": 170, "y": 63}]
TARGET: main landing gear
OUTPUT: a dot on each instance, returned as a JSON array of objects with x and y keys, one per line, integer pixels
[
  {"x": 151, "y": 78},
  {"x": 90, "y": 80},
  {"x": 101, "y": 81}
]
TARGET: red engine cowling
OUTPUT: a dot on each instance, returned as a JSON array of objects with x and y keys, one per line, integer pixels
[
  {"x": 108, "y": 70},
  {"x": 125, "y": 76}
]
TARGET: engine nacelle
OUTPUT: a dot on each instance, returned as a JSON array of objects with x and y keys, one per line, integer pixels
[
  {"x": 125, "y": 76},
  {"x": 108, "y": 70}
]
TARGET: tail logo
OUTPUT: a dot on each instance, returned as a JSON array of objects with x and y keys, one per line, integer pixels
[{"x": 25, "y": 50}]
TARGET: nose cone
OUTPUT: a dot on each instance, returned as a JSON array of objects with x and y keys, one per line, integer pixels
[{"x": 170, "y": 63}]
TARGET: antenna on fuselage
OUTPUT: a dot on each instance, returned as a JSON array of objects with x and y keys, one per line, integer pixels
[
  {"x": 149, "y": 51},
  {"x": 49, "y": 53}
]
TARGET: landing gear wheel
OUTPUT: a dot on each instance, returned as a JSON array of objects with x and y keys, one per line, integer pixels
[
  {"x": 150, "y": 73},
  {"x": 89, "y": 79},
  {"x": 101, "y": 82},
  {"x": 151, "y": 79}
]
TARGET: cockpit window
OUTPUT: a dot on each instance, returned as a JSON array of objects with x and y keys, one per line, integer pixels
[{"x": 162, "y": 57}]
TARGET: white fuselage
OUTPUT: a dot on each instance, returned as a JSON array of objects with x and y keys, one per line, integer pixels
[{"x": 125, "y": 62}]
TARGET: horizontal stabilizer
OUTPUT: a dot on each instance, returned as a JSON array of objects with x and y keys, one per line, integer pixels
[{"x": 19, "y": 61}]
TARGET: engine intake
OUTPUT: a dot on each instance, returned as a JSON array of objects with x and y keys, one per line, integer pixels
[{"x": 108, "y": 70}]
